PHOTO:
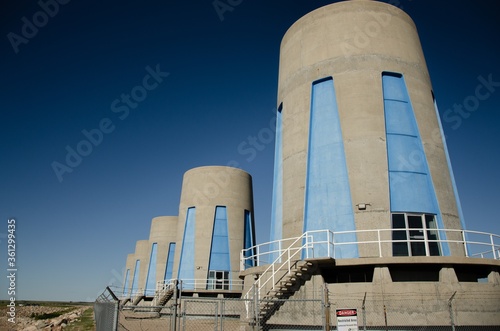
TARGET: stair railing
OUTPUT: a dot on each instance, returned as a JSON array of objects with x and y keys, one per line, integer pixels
[
  {"x": 277, "y": 266},
  {"x": 163, "y": 287}
]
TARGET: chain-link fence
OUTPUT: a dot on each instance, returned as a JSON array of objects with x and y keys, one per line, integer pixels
[
  {"x": 315, "y": 310},
  {"x": 106, "y": 311},
  {"x": 403, "y": 312}
]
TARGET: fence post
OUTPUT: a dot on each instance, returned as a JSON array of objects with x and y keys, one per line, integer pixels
[
  {"x": 363, "y": 308},
  {"x": 326, "y": 305},
  {"x": 174, "y": 313},
  {"x": 256, "y": 306}
]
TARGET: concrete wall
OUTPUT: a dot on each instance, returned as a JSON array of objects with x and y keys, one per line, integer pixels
[
  {"x": 205, "y": 188},
  {"x": 354, "y": 42},
  {"x": 418, "y": 303}
]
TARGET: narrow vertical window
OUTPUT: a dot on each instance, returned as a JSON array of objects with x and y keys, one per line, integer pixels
[
  {"x": 186, "y": 263},
  {"x": 328, "y": 204},
  {"x": 410, "y": 184},
  {"x": 450, "y": 168},
  {"x": 125, "y": 284},
  {"x": 277, "y": 201},
  {"x": 219, "y": 250},
  {"x": 135, "y": 282},
  {"x": 151, "y": 278},
  {"x": 249, "y": 240},
  {"x": 170, "y": 261}
]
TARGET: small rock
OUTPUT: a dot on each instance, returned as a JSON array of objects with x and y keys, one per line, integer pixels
[{"x": 41, "y": 324}]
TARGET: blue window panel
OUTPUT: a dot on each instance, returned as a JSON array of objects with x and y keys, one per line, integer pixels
[
  {"x": 170, "y": 261},
  {"x": 399, "y": 118},
  {"x": 328, "y": 202},
  {"x": 406, "y": 154},
  {"x": 125, "y": 284},
  {"x": 186, "y": 263},
  {"x": 219, "y": 251},
  {"x": 151, "y": 278},
  {"x": 276, "y": 232},
  {"x": 394, "y": 87},
  {"x": 410, "y": 193},
  {"x": 249, "y": 239},
  {"x": 410, "y": 184},
  {"x": 135, "y": 282}
]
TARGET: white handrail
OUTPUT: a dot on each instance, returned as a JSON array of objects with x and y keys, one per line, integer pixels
[
  {"x": 469, "y": 239},
  {"x": 275, "y": 270}
]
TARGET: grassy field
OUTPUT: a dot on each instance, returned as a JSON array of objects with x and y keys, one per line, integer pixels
[
  {"x": 86, "y": 322},
  {"x": 33, "y": 311}
]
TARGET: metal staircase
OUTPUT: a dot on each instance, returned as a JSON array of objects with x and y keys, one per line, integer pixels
[
  {"x": 299, "y": 274},
  {"x": 281, "y": 280},
  {"x": 163, "y": 294}
]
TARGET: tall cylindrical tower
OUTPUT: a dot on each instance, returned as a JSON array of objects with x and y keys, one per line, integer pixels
[
  {"x": 215, "y": 224},
  {"x": 129, "y": 275},
  {"x": 162, "y": 238},
  {"x": 142, "y": 255},
  {"x": 359, "y": 144}
]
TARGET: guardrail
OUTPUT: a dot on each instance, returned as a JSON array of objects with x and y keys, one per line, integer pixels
[
  {"x": 287, "y": 255},
  {"x": 202, "y": 284},
  {"x": 379, "y": 243}
]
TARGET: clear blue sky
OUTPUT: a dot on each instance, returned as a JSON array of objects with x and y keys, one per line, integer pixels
[{"x": 73, "y": 235}]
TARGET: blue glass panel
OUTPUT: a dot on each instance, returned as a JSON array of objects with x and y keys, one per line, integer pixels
[
  {"x": 410, "y": 184},
  {"x": 219, "y": 251},
  {"x": 125, "y": 284},
  {"x": 170, "y": 261},
  {"x": 328, "y": 202},
  {"x": 186, "y": 263},
  {"x": 151, "y": 279},
  {"x": 406, "y": 154},
  {"x": 398, "y": 118},
  {"x": 135, "y": 282},
  {"x": 393, "y": 89},
  {"x": 276, "y": 232},
  {"x": 413, "y": 194},
  {"x": 249, "y": 239}
]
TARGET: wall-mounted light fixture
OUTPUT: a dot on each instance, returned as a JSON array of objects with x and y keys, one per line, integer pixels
[{"x": 362, "y": 206}]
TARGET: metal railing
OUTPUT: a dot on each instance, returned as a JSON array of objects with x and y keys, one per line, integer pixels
[
  {"x": 289, "y": 254},
  {"x": 326, "y": 243},
  {"x": 201, "y": 284}
]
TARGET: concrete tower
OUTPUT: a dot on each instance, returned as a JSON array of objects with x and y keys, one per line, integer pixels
[
  {"x": 360, "y": 150},
  {"x": 215, "y": 224},
  {"x": 141, "y": 256},
  {"x": 359, "y": 144},
  {"x": 162, "y": 248}
]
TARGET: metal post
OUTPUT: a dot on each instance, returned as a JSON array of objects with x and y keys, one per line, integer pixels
[
  {"x": 326, "y": 304},
  {"x": 174, "y": 319},
  {"x": 385, "y": 318},
  {"x": 363, "y": 308},
  {"x": 256, "y": 305},
  {"x": 493, "y": 247},
  {"x": 116, "y": 309},
  {"x": 465, "y": 244}
]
